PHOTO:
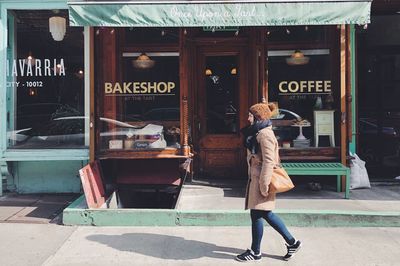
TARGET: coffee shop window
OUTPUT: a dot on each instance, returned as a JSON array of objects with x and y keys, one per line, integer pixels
[
  {"x": 45, "y": 85},
  {"x": 303, "y": 84},
  {"x": 147, "y": 107}
]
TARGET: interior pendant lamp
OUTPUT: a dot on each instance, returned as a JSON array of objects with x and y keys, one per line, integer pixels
[
  {"x": 143, "y": 62},
  {"x": 297, "y": 59},
  {"x": 30, "y": 60},
  {"x": 57, "y": 27}
]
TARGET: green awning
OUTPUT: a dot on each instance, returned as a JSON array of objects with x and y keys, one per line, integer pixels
[{"x": 207, "y": 13}]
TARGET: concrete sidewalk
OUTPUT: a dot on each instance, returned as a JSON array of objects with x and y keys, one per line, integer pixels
[
  {"x": 49, "y": 244},
  {"x": 31, "y": 236},
  {"x": 33, "y": 208},
  {"x": 219, "y": 195},
  {"x": 219, "y": 203}
]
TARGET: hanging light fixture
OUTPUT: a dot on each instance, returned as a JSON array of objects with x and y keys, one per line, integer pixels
[
  {"x": 32, "y": 92},
  {"x": 30, "y": 60},
  {"x": 57, "y": 69},
  {"x": 143, "y": 62},
  {"x": 57, "y": 27},
  {"x": 79, "y": 74},
  {"x": 297, "y": 59}
]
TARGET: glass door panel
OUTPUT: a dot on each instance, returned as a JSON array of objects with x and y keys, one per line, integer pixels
[{"x": 222, "y": 85}]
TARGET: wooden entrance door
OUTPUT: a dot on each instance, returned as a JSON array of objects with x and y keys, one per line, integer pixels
[{"x": 221, "y": 102}]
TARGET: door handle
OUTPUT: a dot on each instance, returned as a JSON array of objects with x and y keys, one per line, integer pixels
[{"x": 199, "y": 126}]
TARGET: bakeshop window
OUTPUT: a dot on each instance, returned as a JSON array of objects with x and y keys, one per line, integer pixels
[
  {"x": 303, "y": 83},
  {"x": 147, "y": 112}
]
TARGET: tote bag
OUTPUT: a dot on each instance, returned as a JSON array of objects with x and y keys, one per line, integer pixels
[{"x": 280, "y": 181}]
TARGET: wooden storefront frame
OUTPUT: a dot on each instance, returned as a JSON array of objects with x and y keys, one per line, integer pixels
[
  {"x": 256, "y": 47},
  {"x": 110, "y": 38}
]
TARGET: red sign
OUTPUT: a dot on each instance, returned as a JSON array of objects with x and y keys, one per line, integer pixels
[{"x": 92, "y": 185}]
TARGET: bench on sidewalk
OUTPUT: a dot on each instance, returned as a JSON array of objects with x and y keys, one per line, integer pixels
[{"x": 321, "y": 168}]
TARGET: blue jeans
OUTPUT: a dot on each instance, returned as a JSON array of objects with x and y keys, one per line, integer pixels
[{"x": 257, "y": 228}]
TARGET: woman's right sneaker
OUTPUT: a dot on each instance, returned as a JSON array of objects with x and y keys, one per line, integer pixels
[
  {"x": 248, "y": 256},
  {"x": 292, "y": 249}
]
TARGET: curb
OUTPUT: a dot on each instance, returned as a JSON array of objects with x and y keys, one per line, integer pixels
[{"x": 75, "y": 214}]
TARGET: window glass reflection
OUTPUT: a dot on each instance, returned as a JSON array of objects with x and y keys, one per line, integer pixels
[
  {"x": 221, "y": 76},
  {"x": 147, "y": 112},
  {"x": 301, "y": 83},
  {"x": 45, "y": 86}
]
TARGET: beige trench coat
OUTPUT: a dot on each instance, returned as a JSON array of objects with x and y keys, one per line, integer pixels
[{"x": 260, "y": 171}]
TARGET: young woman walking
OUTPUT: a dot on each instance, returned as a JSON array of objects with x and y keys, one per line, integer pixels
[{"x": 263, "y": 156}]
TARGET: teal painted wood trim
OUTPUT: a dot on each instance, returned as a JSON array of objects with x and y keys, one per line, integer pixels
[
  {"x": 3, "y": 175},
  {"x": 353, "y": 143},
  {"x": 47, "y": 176},
  {"x": 11, "y": 91},
  {"x": 46, "y": 155},
  {"x": 10, "y": 56},
  {"x": 3, "y": 78},
  {"x": 315, "y": 168},
  {"x": 315, "y": 172},
  {"x": 321, "y": 169},
  {"x": 34, "y": 4},
  {"x": 160, "y": 217}
]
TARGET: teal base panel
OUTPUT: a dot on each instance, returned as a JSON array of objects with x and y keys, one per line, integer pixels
[
  {"x": 77, "y": 214},
  {"x": 48, "y": 176}
]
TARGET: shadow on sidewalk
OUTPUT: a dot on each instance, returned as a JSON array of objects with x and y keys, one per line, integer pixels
[
  {"x": 34, "y": 208},
  {"x": 168, "y": 247}
]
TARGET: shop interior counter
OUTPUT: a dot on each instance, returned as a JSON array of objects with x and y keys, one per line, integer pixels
[{"x": 172, "y": 153}]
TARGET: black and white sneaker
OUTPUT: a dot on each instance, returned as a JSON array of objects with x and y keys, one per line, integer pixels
[
  {"x": 292, "y": 249},
  {"x": 248, "y": 256}
]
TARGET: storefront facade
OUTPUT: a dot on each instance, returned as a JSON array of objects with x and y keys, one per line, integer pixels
[
  {"x": 158, "y": 83},
  {"x": 37, "y": 168}
]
